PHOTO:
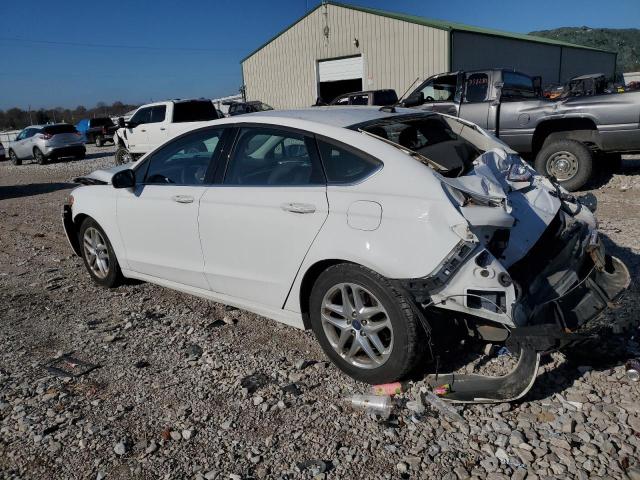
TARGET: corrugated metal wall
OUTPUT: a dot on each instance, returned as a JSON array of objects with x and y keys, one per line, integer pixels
[
  {"x": 580, "y": 62},
  {"x": 471, "y": 51},
  {"x": 284, "y": 72}
]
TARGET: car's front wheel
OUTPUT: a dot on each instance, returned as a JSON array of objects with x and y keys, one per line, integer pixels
[
  {"x": 98, "y": 255},
  {"x": 123, "y": 156},
  {"x": 14, "y": 158},
  {"x": 364, "y": 324}
]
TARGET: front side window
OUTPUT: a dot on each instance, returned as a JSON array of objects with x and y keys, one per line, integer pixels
[
  {"x": 31, "y": 132},
  {"x": 184, "y": 161},
  {"x": 142, "y": 116},
  {"x": 440, "y": 89},
  {"x": 273, "y": 157},
  {"x": 477, "y": 87},
  {"x": 344, "y": 165}
]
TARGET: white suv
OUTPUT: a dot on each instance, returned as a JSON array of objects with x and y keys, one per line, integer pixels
[{"x": 388, "y": 233}]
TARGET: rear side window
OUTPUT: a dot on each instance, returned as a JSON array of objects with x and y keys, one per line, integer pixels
[
  {"x": 273, "y": 157},
  {"x": 56, "y": 129},
  {"x": 386, "y": 97},
  {"x": 158, "y": 114},
  {"x": 344, "y": 165},
  {"x": 200, "y": 111},
  {"x": 362, "y": 99}
]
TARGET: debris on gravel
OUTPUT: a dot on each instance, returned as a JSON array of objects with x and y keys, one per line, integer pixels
[{"x": 191, "y": 389}]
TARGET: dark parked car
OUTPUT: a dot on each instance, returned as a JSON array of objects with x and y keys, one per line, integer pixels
[
  {"x": 240, "y": 108},
  {"x": 97, "y": 130},
  {"x": 368, "y": 97}
]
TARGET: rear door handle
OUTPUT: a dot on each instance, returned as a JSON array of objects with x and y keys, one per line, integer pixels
[
  {"x": 142, "y": 130},
  {"x": 298, "y": 207},
  {"x": 182, "y": 198},
  {"x": 162, "y": 128}
]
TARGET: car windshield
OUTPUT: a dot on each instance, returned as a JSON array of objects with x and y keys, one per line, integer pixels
[
  {"x": 56, "y": 129},
  {"x": 429, "y": 139}
]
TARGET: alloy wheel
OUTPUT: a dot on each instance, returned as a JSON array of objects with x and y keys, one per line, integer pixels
[
  {"x": 562, "y": 165},
  {"x": 96, "y": 252},
  {"x": 357, "y": 325}
]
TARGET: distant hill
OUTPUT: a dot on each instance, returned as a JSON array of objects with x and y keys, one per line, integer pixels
[{"x": 624, "y": 41}]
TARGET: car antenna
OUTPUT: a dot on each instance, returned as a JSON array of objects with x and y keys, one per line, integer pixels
[{"x": 392, "y": 108}]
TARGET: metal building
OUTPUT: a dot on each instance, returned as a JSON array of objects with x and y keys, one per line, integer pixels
[{"x": 338, "y": 48}]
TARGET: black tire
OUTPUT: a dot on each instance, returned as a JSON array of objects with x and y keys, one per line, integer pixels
[
  {"x": 99, "y": 141},
  {"x": 114, "y": 277},
  {"x": 405, "y": 351},
  {"x": 14, "y": 158},
  {"x": 571, "y": 149},
  {"x": 39, "y": 156},
  {"x": 123, "y": 156}
]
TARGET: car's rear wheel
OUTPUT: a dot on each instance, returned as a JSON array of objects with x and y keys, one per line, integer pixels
[
  {"x": 14, "y": 158},
  {"x": 364, "y": 324},
  {"x": 568, "y": 161},
  {"x": 123, "y": 156},
  {"x": 39, "y": 156},
  {"x": 99, "y": 141},
  {"x": 98, "y": 255}
]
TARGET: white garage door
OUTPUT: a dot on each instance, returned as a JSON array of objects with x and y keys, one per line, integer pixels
[{"x": 340, "y": 69}]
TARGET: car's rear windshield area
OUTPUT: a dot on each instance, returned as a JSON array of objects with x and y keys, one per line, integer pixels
[
  {"x": 195, "y": 111},
  {"x": 57, "y": 129},
  {"x": 431, "y": 137}
]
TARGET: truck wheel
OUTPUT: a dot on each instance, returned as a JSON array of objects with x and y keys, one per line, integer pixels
[
  {"x": 99, "y": 141},
  {"x": 123, "y": 156},
  {"x": 14, "y": 158},
  {"x": 39, "y": 156},
  {"x": 364, "y": 324},
  {"x": 568, "y": 161}
]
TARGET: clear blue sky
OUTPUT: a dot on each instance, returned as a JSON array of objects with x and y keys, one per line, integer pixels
[{"x": 194, "y": 47}]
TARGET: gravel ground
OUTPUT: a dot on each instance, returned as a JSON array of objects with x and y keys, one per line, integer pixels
[{"x": 190, "y": 389}]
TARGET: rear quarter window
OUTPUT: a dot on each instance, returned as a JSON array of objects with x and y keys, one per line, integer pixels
[
  {"x": 198, "y": 111},
  {"x": 345, "y": 165}
]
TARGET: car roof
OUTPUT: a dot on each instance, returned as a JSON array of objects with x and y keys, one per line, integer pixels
[{"x": 336, "y": 116}]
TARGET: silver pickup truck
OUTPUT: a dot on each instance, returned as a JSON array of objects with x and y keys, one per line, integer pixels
[{"x": 564, "y": 138}]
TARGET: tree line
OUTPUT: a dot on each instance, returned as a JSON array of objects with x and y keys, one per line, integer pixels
[{"x": 17, "y": 118}]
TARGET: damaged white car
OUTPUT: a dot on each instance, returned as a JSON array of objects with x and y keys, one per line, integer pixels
[{"x": 388, "y": 232}]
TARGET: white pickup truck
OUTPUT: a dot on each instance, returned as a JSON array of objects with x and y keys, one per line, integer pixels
[{"x": 153, "y": 124}]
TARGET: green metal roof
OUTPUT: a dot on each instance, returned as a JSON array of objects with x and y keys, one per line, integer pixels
[{"x": 440, "y": 24}]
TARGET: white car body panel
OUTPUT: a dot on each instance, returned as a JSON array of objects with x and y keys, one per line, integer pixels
[
  {"x": 227, "y": 245},
  {"x": 253, "y": 246},
  {"x": 160, "y": 234}
]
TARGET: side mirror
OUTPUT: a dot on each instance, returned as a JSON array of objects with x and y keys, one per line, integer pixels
[
  {"x": 124, "y": 179},
  {"x": 414, "y": 100},
  {"x": 121, "y": 122}
]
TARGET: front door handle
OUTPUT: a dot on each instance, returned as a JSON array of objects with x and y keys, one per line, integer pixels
[
  {"x": 162, "y": 128},
  {"x": 182, "y": 198},
  {"x": 142, "y": 130},
  {"x": 298, "y": 207}
]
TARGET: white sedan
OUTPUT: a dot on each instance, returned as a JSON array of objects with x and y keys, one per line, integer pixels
[{"x": 389, "y": 233}]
